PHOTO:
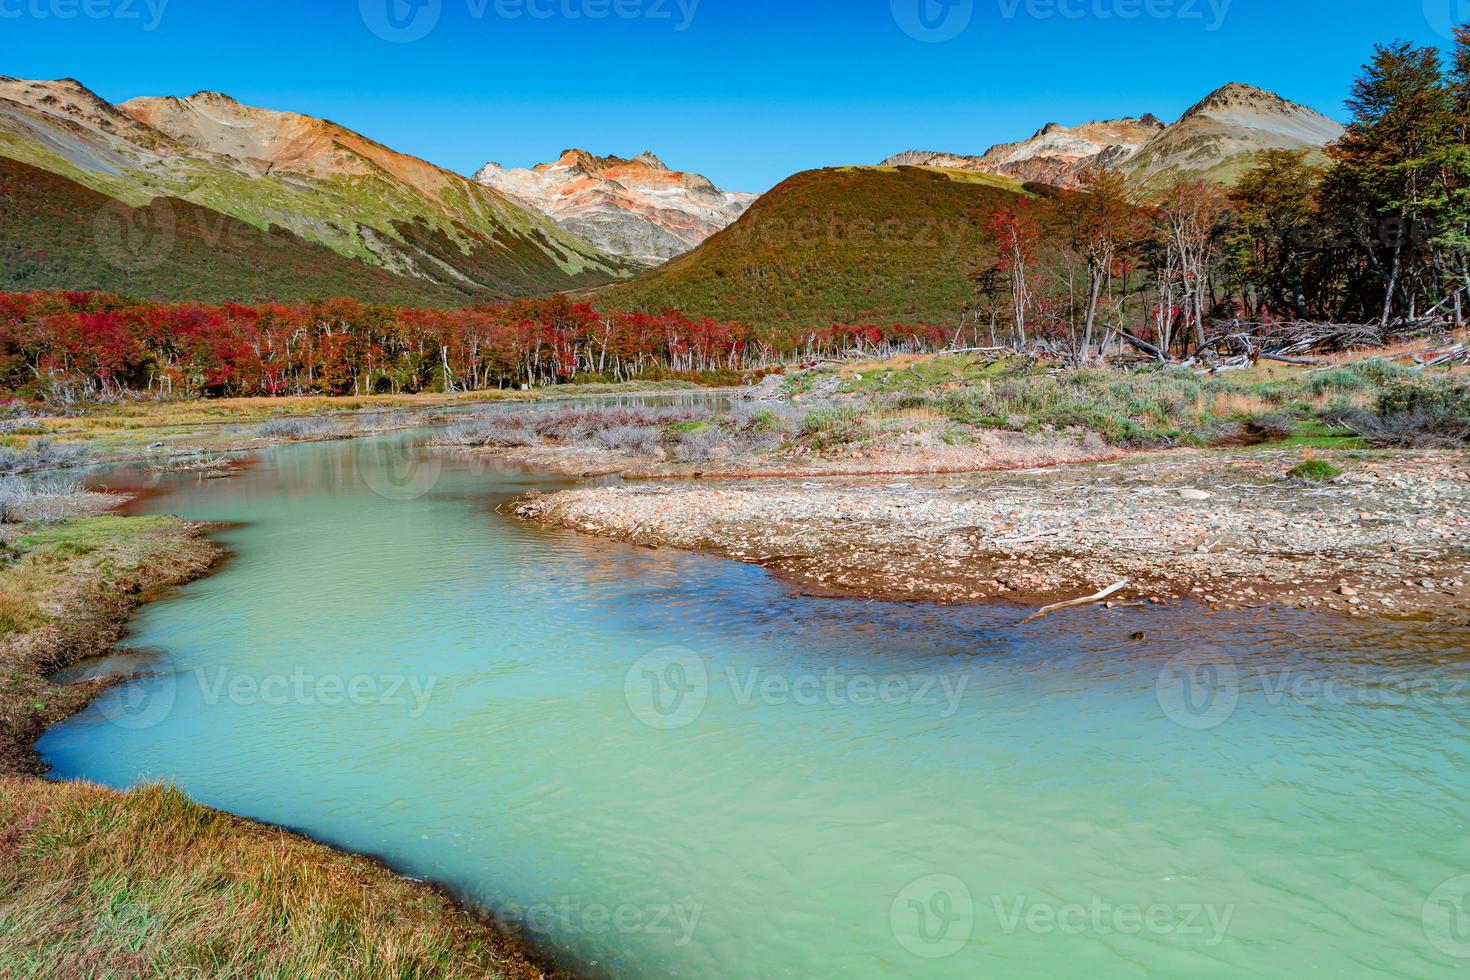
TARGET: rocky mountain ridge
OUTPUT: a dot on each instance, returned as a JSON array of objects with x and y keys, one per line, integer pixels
[
  {"x": 1215, "y": 139},
  {"x": 637, "y": 208},
  {"x": 312, "y": 177}
]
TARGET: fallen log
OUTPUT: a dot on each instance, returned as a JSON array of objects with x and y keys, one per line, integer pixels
[
  {"x": 1142, "y": 345},
  {"x": 1289, "y": 360},
  {"x": 1073, "y": 603}
]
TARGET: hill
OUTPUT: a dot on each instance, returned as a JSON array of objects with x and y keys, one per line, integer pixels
[
  {"x": 321, "y": 181},
  {"x": 849, "y": 245},
  {"x": 55, "y": 233}
]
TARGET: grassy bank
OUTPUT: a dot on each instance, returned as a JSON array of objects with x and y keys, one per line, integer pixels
[
  {"x": 1360, "y": 401},
  {"x": 97, "y": 883}
]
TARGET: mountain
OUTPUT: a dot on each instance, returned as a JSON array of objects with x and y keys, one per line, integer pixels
[
  {"x": 1055, "y": 155},
  {"x": 638, "y": 208},
  {"x": 322, "y": 182},
  {"x": 850, "y": 245},
  {"x": 57, "y": 234},
  {"x": 1217, "y": 139},
  {"x": 1220, "y": 136}
]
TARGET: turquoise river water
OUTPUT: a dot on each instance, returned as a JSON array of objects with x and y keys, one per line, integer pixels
[{"x": 657, "y": 764}]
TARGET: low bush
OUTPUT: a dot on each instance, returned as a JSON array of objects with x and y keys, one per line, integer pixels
[
  {"x": 1418, "y": 414},
  {"x": 311, "y": 428},
  {"x": 633, "y": 440},
  {"x": 1315, "y": 471},
  {"x": 43, "y": 454},
  {"x": 829, "y": 428}
]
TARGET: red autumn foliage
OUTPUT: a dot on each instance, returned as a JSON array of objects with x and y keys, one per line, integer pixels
[{"x": 342, "y": 346}]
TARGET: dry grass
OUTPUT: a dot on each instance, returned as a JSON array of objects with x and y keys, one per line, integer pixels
[
  {"x": 97, "y": 883},
  {"x": 65, "y": 591},
  {"x": 1230, "y": 403}
]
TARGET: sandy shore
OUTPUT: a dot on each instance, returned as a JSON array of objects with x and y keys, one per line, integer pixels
[{"x": 1391, "y": 536}]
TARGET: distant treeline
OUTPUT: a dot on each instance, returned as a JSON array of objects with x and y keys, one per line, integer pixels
[{"x": 77, "y": 345}]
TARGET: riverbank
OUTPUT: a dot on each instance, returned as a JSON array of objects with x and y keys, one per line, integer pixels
[
  {"x": 1391, "y": 535},
  {"x": 1343, "y": 487},
  {"x": 163, "y": 432},
  {"x": 95, "y": 882}
]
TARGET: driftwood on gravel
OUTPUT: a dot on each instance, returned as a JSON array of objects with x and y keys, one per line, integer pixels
[{"x": 1073, "y": 603}]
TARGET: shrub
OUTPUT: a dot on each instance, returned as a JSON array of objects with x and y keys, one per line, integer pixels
[
  {"x": 43, "y": 454},
  {"x": 831, "y": 427},
  {"x": 317, "y": 428},
  {"x": 499, "y": 433},
  {"x": 1418, "y": 414},
  {"x": 1315, "y": 471},
  {"x": 23, "y": 500},
  {"x": 699, "y": 445},
  {"x": 634, "y": 440}
]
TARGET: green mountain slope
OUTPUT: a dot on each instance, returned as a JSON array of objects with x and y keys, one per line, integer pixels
[
  {"x": 55, "y": 233},
  {"x": 849, "y": 245},
  {"x": 323, "y": 182}
]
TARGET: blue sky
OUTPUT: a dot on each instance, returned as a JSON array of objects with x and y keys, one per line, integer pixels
[{"x": 745, "y": 91}]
